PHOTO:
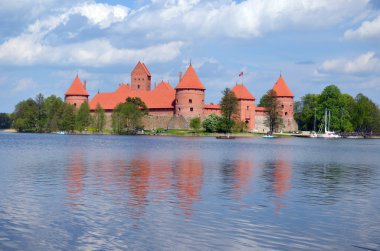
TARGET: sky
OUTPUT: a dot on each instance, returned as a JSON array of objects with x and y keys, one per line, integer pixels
[{"x": 312, "y": 43}]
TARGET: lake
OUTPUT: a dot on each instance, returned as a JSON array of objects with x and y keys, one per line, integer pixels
[{"x": 77, "y": 192}]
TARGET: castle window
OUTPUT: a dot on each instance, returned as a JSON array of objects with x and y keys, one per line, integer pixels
[
  {"x": 190, "y": 101},
  {"x": 191, "y": 109},
  {"x": 176, "y": 101},
  {"x": 75, "y": 104},
  {"x": 149, "y": 78},
  {"x": 282, "y": 106},
  {"x": 138, "y": 86},
  {"x": 142, "y": 79},
  {"x": 179, "y": 108},
  {"x": 286, "y": 113},
  {"x": 139, "y": 79},
  {"x": 247, "y": 107}
]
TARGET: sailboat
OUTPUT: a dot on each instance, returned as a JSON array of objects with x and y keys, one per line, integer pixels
[
  {"x": 313, "y": 134},
  {"x": 328, "y": 134}
]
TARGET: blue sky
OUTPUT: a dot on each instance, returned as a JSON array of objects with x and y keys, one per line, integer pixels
[{"x": 313, "y": 43}]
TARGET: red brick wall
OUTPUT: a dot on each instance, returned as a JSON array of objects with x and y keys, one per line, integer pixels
[
  {"x": 247, "y": 112},
  {"x": 207, "y": 112},
  {"x": 140, "y": 80},
  {"x": 77, "y": 101},
  {"x": 189, "y": 103}
]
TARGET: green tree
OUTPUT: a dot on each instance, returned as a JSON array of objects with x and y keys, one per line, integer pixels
[
  {"x": 67, "y": 122},
  {"x": 229, "y": 109},
  {"x": 5, "y": 121},
  {"x": 41, "y": 117},
  {"x": 330, "y": 99},
  {"x": 83, "y": 118},
  {"x": 195, "y": 123},
  {"x": 138, "y": 101},
  {"x": 118, "y": 118},
  {"x": 99, "y": 118},
  {"x": 25, "y": 116},
  {"x": 305, "y": 111},
  {"x": 366, "y": 115},
  {"x": 133, "y": 117},
  {"x": 210, "y": 124},
  {"x": 54, "y": 107},
  {"x": 273, "y": 119}
]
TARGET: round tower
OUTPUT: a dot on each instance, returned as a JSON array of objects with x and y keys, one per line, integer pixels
[
  {"x": 190, "y": 95},
  {"x": 77, "y": 93},
  {"x": 285, "y": 100}
]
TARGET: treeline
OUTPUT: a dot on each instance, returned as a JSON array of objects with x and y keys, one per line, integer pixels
[
  {"x": 5, "y": 121},
  {"x": 51, "y": 114},
  {"x": 348, "y": 114}
]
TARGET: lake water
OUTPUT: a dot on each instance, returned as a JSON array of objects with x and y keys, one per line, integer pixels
[{"x": 62, "y": 192}]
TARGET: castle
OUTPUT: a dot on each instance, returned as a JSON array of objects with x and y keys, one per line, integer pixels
[{"x": 174, "y": 107}]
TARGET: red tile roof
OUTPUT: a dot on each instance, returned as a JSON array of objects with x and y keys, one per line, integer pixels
[
  {"x": 212, "y": 106},
  {"x": 143, "y": 66},
  {"x": 190, "y": 80},
  {"x": 261, "y": 109},
  {"x": 162, "y": 97},
  {"x": 77, "y": 88},
  {"x": 242, "y": 92},
  {"x": 282, "y": 89}
]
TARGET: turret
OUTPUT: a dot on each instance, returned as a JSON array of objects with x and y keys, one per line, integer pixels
[
  {"x": 140, "y": 78},
  {"x": 190, "y": 95},
  {"x": 285, "y": 99},
  {"x": 246, "y": 103},
  {"x": 77, "y": 93}
]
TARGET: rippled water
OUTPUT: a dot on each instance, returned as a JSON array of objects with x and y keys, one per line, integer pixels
[{"x": 167, "y": 193}]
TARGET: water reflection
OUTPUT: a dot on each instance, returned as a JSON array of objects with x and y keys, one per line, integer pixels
[
  {"x": 75, "y": 178},
  {"x": 189, "y": 175},
  {"x": 278, "y": 173}
]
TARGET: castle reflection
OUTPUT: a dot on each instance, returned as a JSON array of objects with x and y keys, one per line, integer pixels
[{"x": 75, "y": 178}]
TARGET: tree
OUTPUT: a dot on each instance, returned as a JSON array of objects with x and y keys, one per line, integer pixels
[
  {"x": 273, "y": 119},
  {"x": 138, "y": 101},
  {"x": 195, "y": 123},
  {"x": 366, "y": 115},
  {"x": 133, "y": 116},
  {"x": 83, "y": 117},
  {"x": 229, "y": 108},
  {"x": 118, "y": 118},
  {"x": 5, "y": 121},
  {"x": 25, "y": 116},
  {"x": 99, "y": 118},
  {"x": 305, "y": 111},
  {"x": 67, "y": 122},
  {"x": 54, "y": 107},
  {"x": 210, "y": 124},
  {"x": 41, "y": 116}
]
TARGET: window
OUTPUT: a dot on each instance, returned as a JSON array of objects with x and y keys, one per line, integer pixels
[
  {"x": 247, "y": 107},
  {"x": 75, "y": 104},
  {"x": 142, "y": 79},
  {"x": 149, "y": 78},
  {"x": 138, "y": 86},
  {"x": 282, "y": 106},
  {"x": 176, "y": 101},
  {"x": 286, "y": 113},
  {"x": 191, "y": 109},
  {"x": 139, "y": 79},
  {"x": 179, "y": 108},
  {"x": 190, "y": 101}
]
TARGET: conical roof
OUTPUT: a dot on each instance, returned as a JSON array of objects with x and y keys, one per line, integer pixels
[
  {"x": 77, "y": 88},
  {"x": 144, "y": 68},
  {"x": 190, "y": 80},
  {"x": 282, "y": 89},
  {"x": 241, "y": 92}
]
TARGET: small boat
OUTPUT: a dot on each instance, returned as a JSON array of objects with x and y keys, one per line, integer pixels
[
  {"x": 328, "y": 134},
  {"x": 61, "y": 133},
  {"x": 225, "y": 137},
  {"x": 268, "y": 136}
]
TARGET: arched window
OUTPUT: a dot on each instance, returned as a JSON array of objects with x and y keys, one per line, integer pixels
[
  {"x": 190, "y": 101},
  {"x": 286, "y": 113},
  {"x": 138, "y": 86},
  {"x": 191, "y": 109}
]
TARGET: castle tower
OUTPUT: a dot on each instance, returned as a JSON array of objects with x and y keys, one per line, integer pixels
[
  {"x": 77, "y": 93},
  {"x": 190, "y": 95},
  {"x": 286, "y": 110},
  {"x": 246, "y": 102},
  {"x": 140, "y": 78}
]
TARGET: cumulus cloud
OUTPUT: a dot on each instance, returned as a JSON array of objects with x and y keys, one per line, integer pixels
[
  {"x": 246, "y": 19},
  {"x": 368, "y": 29},
  {"x": 23, "y": 84},
  {"x": 31, "y": 48},
  {"x": 364, "y": 63}
]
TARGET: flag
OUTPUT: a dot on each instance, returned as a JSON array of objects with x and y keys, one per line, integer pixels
[{"x": 241, "y": 74}]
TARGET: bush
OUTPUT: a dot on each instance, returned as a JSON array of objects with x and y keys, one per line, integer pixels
[
  {"x": 210, "y": 124},
  {"x": 195, "y": 123}
]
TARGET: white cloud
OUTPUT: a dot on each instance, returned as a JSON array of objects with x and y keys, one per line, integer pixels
[
  {"x": 31, "y": 48},
  {"x": 364, "y": 63},
  {"x": 250, "y": 18},
  {"x": 23, "y": 84},
  {"x": 368, "y": 29}
]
